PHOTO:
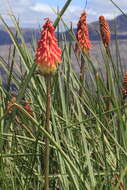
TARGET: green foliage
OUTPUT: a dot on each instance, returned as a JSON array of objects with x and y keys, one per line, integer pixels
[{"x": 88, "y": 142}]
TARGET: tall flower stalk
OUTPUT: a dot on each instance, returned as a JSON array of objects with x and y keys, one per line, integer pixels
[
  {"x": 83, "y": 45},
  {"x": 105, "y": 36},
  {"x": 48, "y": 56}
]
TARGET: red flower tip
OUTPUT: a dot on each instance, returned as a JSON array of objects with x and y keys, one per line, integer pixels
[
  {"x": 48, "y": 54},
  {"x": 82, "y": 34},
  {"x": 105, "y": 30},
  {"x": 28, "y": 109}
]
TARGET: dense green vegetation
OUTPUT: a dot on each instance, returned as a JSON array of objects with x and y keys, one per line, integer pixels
[{"x": 88, "y": 141}]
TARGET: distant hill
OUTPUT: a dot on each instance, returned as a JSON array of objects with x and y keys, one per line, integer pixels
[
  {"x": 119, "y": 24},
  {"x": 28, "y": 34}
]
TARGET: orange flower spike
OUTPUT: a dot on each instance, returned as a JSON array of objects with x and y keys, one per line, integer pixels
[
  {"x": 48, "y": 54},
  {"x": 105, "y": 30},
  {"x": 83, "y": 34}
]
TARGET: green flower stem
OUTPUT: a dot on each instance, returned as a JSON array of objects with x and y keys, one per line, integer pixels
[
  {"x": 62, "y": 12},
  {"x": 54, "y": 143},
  {"x": 47, "y": 128},
  {"x": 82, "y": 75}
]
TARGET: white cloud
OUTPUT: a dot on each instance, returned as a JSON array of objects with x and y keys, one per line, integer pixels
[
  {"x": 31, "y": 13},
  {"x": 109, "y": 16},
  {"x": 74, "y": 9},
  {"x": 40, "y": 7}
]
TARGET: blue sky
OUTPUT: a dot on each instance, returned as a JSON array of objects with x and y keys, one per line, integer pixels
[{"x": 31, "y": 13}]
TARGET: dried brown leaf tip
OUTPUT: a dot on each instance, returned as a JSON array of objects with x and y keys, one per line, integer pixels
[
  {"x": 124, "y": 90},
  {"x": 83, "y": 42},
  {"x": 105, "y": 30},
  {"x": 10, "y": 104},
  {"x": 116, "y": 180},
  {"x": 97, "y": 75}
]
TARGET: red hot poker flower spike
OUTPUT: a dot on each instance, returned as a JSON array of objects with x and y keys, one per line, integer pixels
[
  {"x": 105, "y": 30},
  {"x": 48, "y": 54},
  {"x": 82, "y": 34}
]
